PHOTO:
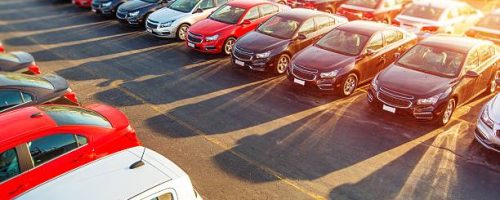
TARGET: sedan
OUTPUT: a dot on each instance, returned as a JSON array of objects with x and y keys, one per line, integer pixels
[
  {"x": 82, "y": 3},
  {"x": 136, "y": 12},
  {"x": 349, "y": 55},
  {"x": 273, "y": 44},
  {"x": 435, "y": 77},
  {"x": 106, "y": 7},
  {"x": 41, "y": 143},
  {"x": 372, "y": 10},
  {"x": 487, "y": 28},
  {"x": 19, "y": 90},
  {"x": 329, "y": 6},
  {"x": 2, "y": 49},
  {"x": 18, "y": 62},
  {"x": 487, "y": 131}
]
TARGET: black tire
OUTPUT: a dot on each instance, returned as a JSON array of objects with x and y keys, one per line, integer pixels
[
  {"x": 182, "y": 27},
  {"x": 281, "y": 64},
  {"x": 448, "y": 111},
  {"x": 349, "y": 85},
  {"x": 226, "y": 50}
]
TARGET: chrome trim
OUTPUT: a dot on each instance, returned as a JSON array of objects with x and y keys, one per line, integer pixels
[
  {"x": 396, "y": 94},
  {"x": 243, "y": 52},
  {"x": 390, "y": 104},
  {"x": 304, "y": 70},
  {"x": 198, "y": 36}
]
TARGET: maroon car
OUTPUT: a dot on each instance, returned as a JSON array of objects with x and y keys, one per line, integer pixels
[
  {"x": 436, "y": 76},
  {"x": 372, "y": 10},
  {"x": 350, "y": 54},
  {"x": 329, "y": 6}
]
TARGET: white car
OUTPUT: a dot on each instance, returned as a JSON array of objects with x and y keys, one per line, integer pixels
[
  {"x": 135, "y": 173},
  {"x": 174, "y": 20},
  {"x": 425, "y": 18},
  {"x": 488, "y": 125}
]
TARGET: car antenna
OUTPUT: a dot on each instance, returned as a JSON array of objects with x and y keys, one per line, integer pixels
[{"x": 140, "y": 162}]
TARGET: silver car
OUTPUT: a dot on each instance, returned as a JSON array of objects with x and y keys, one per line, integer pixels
[
  {"x": 174, "y": 20},
  {"x": 488, "y": 125}
]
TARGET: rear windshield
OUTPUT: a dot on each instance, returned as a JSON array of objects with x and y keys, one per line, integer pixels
[
  {"x": 424, "y": 12},
  {"x": 363, "y": 3},
  {"x": 9, "y": 57},
  {"x": 64, "y": 116},
  {"x": 24, "y": 80}
]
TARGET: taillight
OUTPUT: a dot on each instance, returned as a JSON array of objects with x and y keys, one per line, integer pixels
[
  {"x": 368, "y": 15},
  {"x": 34, "y": 69},
  {"x": 1, "y": 48},
  {"x": 430, "y": 28},
  {"x": 70, "y": 95}
]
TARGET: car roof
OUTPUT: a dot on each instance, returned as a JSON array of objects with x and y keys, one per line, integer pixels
[
  {"x": 110, "y": 177},
  {"x": 247, "y": 4},
  {"x": 443, "y": 4},
  {"x": 301, "y": 14},
  {"x": 16, "y": 123},
  {"x": 365, "y": 27},
  {"x": 457, "y": 43},
  {"x": 23, "y": 80}
]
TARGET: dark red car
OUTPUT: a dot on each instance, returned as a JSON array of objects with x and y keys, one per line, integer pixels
[
  {"x": 436, "y": 76},
  {"x": 349, "y": 55},
  {"x": 41, "y": 143},
  {"x": 219, "y": 32},
  {"x": 329, "y": 6},
  {"x": 82, "y": 3},
  {"x": 372, "y": 10}
]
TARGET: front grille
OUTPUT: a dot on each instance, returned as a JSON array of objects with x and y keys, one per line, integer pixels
[
  {"x": 151, "y": 25},
  {"x": 194, "y": 38},
  {"x": 304, "y": 73},
  {"x": 242, "y": 54},
  {"x": 393, "y": 100}
]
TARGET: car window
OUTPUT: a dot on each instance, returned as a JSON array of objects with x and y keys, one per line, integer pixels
[
  {"x": 375, "y": 42},
  {"x": 167, "y": 196},
  {"x": 485, "y": 53},
  {"x": 81, "y": 140},
  {"x": 9, "y": 165},
  {"x": 9, "y": 98},
  {"x": 27, "y": 97},
  {"x": 220, "y": 2},
  {"x": 323, "y": 22},
  {"x": 50, "y": 147},
  {"x": 65, "y": 115},
  {"x": 252, "y": 14},
  {"x": 472, "y": 61},
  {"x": 207, "y": 4},
  {"x": 392, "y": 36},
  {"x": 267, "y": 9},
  {"x": 307, "y": 27}
]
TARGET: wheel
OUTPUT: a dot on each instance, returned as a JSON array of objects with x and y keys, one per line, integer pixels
[
  {"x": 281, "y": 64},
  {"x": 228, "y": 46},
  {"x": 349, "y": 85},
  {"x": 447, "y": 113},
  {"x": 493, "y": 84},
  {"x": 182, "y": 31}
]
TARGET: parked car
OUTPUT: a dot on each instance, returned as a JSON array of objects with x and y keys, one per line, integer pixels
[
  {"x": 435, "y": 77},
  {"x": 135, "y": 12},
  {"x": 2, "y": 49},
  {"x": 329, "y": 6},
  {"x": 487, "y": 131},
  {"x": 219, "y": 32},
  {"x": 106, "y": 7},
  {"x": 136, "y": 173},
  {"x": 41, "y": 143},
  {"x": 425, "y": 18},
  {"x": 174, "y": 20},
  {"x": 18, "y": 62},
  {"x": 271, "y": 46},
  {"x": 349, "y": 55},
  {"x": 18, "y": 90},
  {"x": 487, "y": 28},
  {"x": 372, "y": 10},
  {"x": 82, "y": 3}
]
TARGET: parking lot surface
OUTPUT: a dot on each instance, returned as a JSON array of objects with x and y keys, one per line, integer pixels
[{"x": 246, "y": 135}]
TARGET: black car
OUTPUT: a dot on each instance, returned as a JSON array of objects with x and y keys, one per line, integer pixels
[
  {"x": 18, "y": 62},
  {"x": 21, "y": 90},
  {"x": 136, "y": 12},
  {"x": 272, "y": 45},
  {"x": 329, "y": 6},
  {"x": 106, "y": 7}
]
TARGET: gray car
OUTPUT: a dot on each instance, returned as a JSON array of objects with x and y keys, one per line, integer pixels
[
  {"x": 18, "y": 62},
  {"x": 488, "y": 125},
  {"x": 174, "y": 20}
]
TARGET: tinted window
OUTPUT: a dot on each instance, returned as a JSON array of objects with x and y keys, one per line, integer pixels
[
  {"x": 392, "y": 36},
  {"x": 50, "y": 147},
  {"x": 220, "y": 2},
  {"x": 433, "y": 60},
  {"x": 323, "y": 22},
  {"x": 279, "y": 27},
  {"x": 227, "y": 14},
  {"x": 422, "y": 11},
  {"x": 267, "y": 9},
  {"x": 9, "y": 98},
  {"x": 472, "y": 61},
  {"x": 363, "y": 3},
  {"x": 27, "y": 97},
  {"x": 167, "y": 196},
  {"x": 307, "y": 27},
  {"x": 376, "y": 42},
  {"x": 343, "y": 42},
  {"x": 64, "y": 115},
  {"x": 81, "y": 140},
  {"x": 207, "y": 4},
  {"x": 24, "y": 80},
  {"x": 252, "y": 14},
  {"x": 184, "y": 5},
  {"x": 485, "y": 53},
  {"x": 9, "y": 165}
]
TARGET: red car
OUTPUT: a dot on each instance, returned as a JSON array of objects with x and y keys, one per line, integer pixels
[
  {"x": 1, "y": 47},
  {"x": 219, "y": 31},
  {"x": 40, "y": 143},
  {"x": 372, "y": 10},
  {"x": 82, "y": 3}
]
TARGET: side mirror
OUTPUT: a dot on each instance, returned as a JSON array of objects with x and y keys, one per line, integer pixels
[
  {"x": 199, "y": 10},
  {"x": 246, "y": 22},
  {"x": 301, "y": 36},
  {"x": 370, "y": 52},
  {"x": 397, "y": 55},
  {"x": 471, "y": 74}
]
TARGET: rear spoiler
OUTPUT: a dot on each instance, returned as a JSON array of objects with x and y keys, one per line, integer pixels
[{"x": 117, "y": 118}]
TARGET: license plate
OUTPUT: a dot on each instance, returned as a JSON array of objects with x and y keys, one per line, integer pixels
[
  {"x": 298, "y": 81},
  {"x": 94, "y": 10},
  {"x": 389, "y": 109},
  {"x": 239, "y": 62},
  {"x": 191, "y": 45}
]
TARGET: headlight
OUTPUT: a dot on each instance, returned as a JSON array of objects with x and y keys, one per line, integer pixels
[
  {"x": 107, "y": 4},
  {"x": 263, "y": 55},
  {"x": 485, "y": 117},
  {"x": 212, "y": 38},
  {"x": 331, "y": 74},
  {"x": 166, "y": 24},
  {"x": 375, "y": 84},
  {"x": 434, "y": 99},
  {"x": 134, "y": 14}
]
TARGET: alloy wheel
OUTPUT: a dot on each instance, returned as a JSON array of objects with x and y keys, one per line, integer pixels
[
  {"x": 183, "y": 32},
  {"x": 350, "y": 84},
  {"x": 450, "y": 107},
  {"x": 283, "y": 62},
  {"x": 228, "y": 47}
]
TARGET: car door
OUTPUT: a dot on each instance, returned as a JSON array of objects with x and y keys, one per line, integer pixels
[
  {"x": 465, "y": 88},
  {"x": 307, "y": 29},
  {"x": 373, "y": 62},
  {"x": 394, "y": 43},
  {"x": 486, "y": 68},
  {"x": 252, "y": 15},
  {"x": 208, "y": 6},
  {"x": 12, "y": 166}
]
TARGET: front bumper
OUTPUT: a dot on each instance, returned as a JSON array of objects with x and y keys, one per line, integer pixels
[
  {"x": 486, "y": 136},
  {"x": 82, "y": 3},
  {"x": 99, "y": 9},
  {"x": 134, "y": 21},
  {"x": 330, "y": 84},
  {"x": 168, "y": 32},
  {"x": 211, "y": 47}
]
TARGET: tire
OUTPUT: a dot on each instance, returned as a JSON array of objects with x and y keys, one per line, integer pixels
[
  {"x": 448, "y": 111},
  {"x": 182, "y": 32},
  {"x": 144, "y": 19},
  {"x": 281, "y": 64},
  {"x": 492, "y": 86},
  {"x": 349, "y": 85},
  {"x": 227, "y": 49}
]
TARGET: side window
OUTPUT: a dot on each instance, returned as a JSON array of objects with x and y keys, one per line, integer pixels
[
  {"x": 27, "y": 97},
  {"x": 267, "y": 9},
  {"x": 167, "y": 196},
  {"x": 307, "y": 27},
  {"x": 322, "y": 22},
  {"x": 485, "y": 53},
  {"x": 472, "y": 61},
  {"x": 207, "y": 4},
  {"x": 9, "y": 165},
  {"x": 50, "y": 147},
  {"x": 376, "y": 42},
  {"x": 10, "y": 98},
  {"x": 220, "y": 2},
  {"x": 81, "y": 140},
  {"x": 392, "y": 36},
  {"x": 252, "y": 14}
]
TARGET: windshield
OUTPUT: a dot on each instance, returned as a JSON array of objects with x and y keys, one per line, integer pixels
[
  {"x": 424, "y": 12},
  {"x": 433, "y": 60},
  {"x": 363, "y": 3},
  {"x": 279, "y": 27},
  {"x": 227, "y": 14},
  {"x": 65, "y": 115},
  {"x": 343, "y": 42},
  {"x": 491, "y": 21},
  {"x": 184, "y": 6}
]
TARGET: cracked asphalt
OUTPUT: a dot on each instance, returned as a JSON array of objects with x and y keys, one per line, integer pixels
[{"x": 246, "y": 135}]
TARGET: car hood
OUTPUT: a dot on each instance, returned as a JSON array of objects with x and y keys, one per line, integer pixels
[
  {"x": 166, "y": 14},
  {"x": 494, "y": 109},
  {"x": 316, "y": 58},
  {"x": 412, "y": 82},
  {"x": 58, "y": 82},
  {"x": 208, "y": 27},
  {"x": 258, "y": 42},
  {"x": 134, "y": 5},
  {"x": 24, "y": 58}
]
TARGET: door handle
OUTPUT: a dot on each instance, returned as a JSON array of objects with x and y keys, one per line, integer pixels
[{"x": 18, "y": 188}]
